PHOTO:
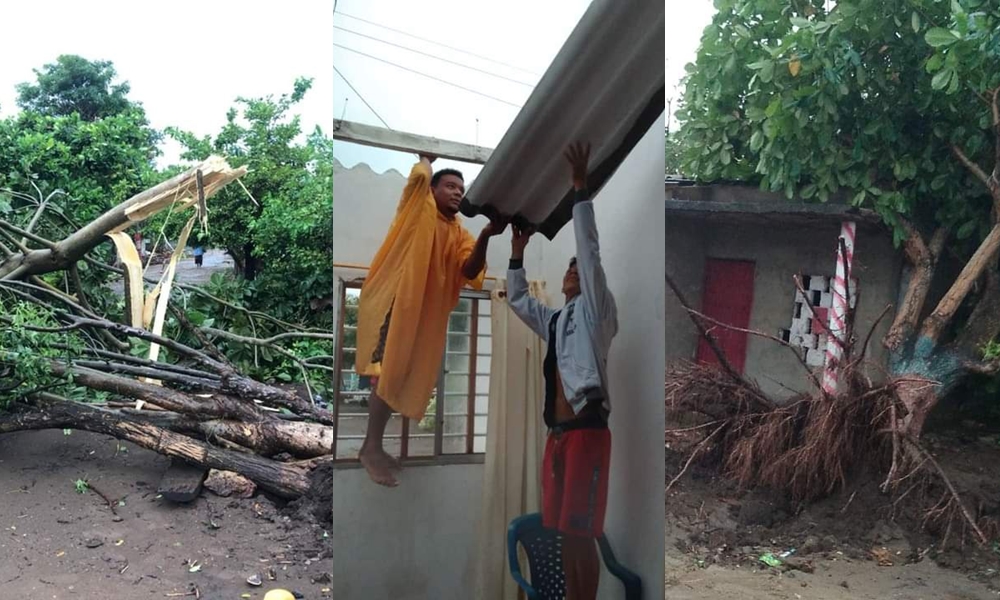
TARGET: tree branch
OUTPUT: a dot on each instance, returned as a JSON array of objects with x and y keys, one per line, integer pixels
[
  {"x": 811, "y": 374},
  {"x": 924, "y": 259},
  {"x": 984, "y": 256},
  {"x": 271, "y": 340},
  {"x": 971, "y": 166},
  {"x": 61, "y": 254},
  {"x": 995, "y": 105},
  {"x": 28, "y": 235},
  {"x": 727, "y": 367},
  {"x": 55, "y": 412}
]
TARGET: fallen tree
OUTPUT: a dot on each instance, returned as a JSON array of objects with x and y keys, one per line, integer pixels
[
  {"x": 814, "y": 443},
  {"x": 885, "y": 105},
  {"x": 64, "y": 365}
]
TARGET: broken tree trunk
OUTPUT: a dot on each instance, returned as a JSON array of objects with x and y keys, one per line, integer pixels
[
  {"x": 281, "y": 479},
  {"x": 183, "y": 188}
]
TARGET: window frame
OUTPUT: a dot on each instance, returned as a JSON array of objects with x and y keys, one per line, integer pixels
[{"x": 474, "y": 353}]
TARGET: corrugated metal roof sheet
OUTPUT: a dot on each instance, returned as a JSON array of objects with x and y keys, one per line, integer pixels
[{"x": 606, "y": 87}]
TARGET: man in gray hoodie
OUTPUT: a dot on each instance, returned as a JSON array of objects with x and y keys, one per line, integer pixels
[{"x": 578, "y": 447}]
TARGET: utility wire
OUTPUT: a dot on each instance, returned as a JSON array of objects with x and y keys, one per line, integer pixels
[
  {"x": 444, "y": 81},
  {"x": 464, "y": 66},
  {"x": 479, "y": 56},
  {"x": 362, "y": 97}
]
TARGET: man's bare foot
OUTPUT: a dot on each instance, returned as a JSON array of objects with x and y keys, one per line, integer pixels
[
  {"x": 378, "y": 466},
  {"x": 394, "y": 463}
]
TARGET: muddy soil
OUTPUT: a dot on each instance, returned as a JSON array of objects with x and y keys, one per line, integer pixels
[
  {"x": 854, "y": 544},
  {"x": 56, "y": 543}
]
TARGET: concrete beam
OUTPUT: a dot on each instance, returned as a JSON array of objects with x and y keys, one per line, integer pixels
[{"x": 380, "y": 137}]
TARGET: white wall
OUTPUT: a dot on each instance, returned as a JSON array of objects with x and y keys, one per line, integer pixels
[
  {"x": 364, "y": 203},
  {"x": 630, "y": 224},
  {"x": 413, "y": 542},
  {"x": 418, "y": 540}
]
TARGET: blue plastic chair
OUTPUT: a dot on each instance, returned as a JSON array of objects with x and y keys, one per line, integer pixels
[{"x": 543, "y": 548}]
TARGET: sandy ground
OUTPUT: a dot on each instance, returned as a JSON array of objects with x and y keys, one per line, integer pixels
[
  {"x": 57, "y": 543},
  {"x": 835, "y": 577},
  {"x": 715, "y": 537}
]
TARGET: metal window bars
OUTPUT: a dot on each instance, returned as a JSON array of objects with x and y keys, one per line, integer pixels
[{"x": 455, "y": 423}]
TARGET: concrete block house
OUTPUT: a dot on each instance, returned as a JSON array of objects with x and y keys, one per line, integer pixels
[{"x": 734, "y": 251}]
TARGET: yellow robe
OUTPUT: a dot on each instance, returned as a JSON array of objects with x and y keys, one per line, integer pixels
[{"x": 417, "y": 273}]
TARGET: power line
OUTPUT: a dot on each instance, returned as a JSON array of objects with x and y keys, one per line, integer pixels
[
  {"x": 479, "y": 56},
  {"x": 465, "y": 66},
  {"x": 362, "y": 97},
  {"x": 444, "y": 81}
]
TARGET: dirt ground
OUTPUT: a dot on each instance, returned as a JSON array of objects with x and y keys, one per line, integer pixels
[
  {"x": 715, "y": 537},
  {"x": 56, "y": 543}
]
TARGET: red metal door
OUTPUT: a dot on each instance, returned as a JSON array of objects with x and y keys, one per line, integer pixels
[{"x": 728, "y": 298}]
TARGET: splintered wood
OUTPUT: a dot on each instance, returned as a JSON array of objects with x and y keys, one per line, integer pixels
[{"x": 215, "y": 174}]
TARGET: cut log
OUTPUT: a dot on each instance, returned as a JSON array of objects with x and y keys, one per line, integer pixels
[
  {"x": 182, "y": 482},
  {"x": 266, "y": 436},
  {"x": 280, "y": 479}
]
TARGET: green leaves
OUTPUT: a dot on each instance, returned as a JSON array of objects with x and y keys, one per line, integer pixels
[
  {"x": 938, "y": 37},
  {"x": 881, "y": 92}
]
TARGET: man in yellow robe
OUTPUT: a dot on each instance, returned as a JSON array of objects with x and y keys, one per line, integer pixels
[{"x": 412, "y": 286}]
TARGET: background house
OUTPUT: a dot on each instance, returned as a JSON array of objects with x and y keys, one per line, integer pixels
[{"x": 734, "y": 249}]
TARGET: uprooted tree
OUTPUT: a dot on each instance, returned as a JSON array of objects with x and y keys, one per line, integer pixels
[
  {"x": 894, "y": 105},
  {"x": 187, "y": 400}
]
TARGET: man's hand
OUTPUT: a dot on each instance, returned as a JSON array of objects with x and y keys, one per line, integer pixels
[
  {"x": 578, "y": 156},
  {"x": 496, "y": 226},
  {"x": 520, "y": 241},
  {"x": 430, "y": 158}
]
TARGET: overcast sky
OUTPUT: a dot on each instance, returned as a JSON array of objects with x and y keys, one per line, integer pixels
[
  {"x": 186, "y": 61},
  {"x": 524, "y": 35}
]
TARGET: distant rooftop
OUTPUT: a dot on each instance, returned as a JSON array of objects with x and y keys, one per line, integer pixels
[{"x": 749, "y": 204}]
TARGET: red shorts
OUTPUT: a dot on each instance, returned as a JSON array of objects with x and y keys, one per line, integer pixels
[{"x": 575, "y": 481}]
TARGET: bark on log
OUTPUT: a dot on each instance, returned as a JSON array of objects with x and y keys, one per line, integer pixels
[
  {"x": 218, "y": 405},
  {"x": 277, "y": 478},
  {"x": 267, "y": 438}
]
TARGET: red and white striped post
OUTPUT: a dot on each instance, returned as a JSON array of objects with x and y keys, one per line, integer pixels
[{"x": 838, "y": 318}]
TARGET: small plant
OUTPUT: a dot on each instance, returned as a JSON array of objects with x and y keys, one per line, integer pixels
[
  {"x": 991, "y": 351},
  {"x": 81, "y": 486}
]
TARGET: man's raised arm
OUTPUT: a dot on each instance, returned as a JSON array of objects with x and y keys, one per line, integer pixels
[
  {"x": 533, "y": 313},
  {"x": 593, "y": 282}
]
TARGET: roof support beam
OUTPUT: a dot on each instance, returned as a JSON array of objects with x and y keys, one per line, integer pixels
[{"x": 380, "y": 137}]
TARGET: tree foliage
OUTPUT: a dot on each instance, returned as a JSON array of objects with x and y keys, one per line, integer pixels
[
  {"x": 260, "y": 133},
  {"x": 866, "y": 100},
  {"x": 74, "y": 84}
]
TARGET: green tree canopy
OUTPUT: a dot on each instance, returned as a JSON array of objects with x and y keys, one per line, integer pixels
[
  {"x": 74, "y": 84},
  {"x": 260, "y": 134},
  {"x": 855, "y": 101}
]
